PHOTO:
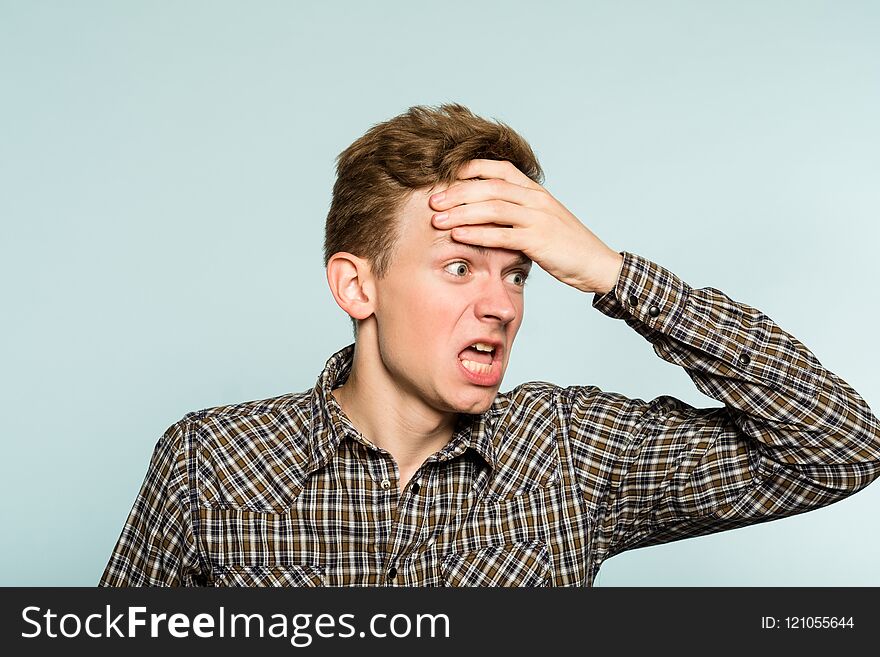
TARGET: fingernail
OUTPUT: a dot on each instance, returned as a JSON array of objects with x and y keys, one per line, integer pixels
[
  {"x": 436, "y": 198},
  {"x": 443, "y": 216}
]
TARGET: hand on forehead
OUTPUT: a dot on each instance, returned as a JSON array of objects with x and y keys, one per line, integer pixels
[
  {"x": 483, "y": 186},
  {"x": 495, "y": 205},
  {"x": 485, "y": 196}
]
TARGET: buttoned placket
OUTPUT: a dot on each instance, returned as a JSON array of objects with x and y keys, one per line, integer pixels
[
  {"x": 410, "y": 508},
  {"x": 405, "y": 511},
  {"x": 403, "y": 515}
]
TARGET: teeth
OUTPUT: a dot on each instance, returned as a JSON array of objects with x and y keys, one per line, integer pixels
[
  {"x": 482, "y": 346},
  {"x": 478, "y": 368}
]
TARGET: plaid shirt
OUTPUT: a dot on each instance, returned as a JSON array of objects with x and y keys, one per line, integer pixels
[{"x": 537, "y": 491}]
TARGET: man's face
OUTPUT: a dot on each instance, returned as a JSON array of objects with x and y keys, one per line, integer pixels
[{"x": 439, "y": 298}]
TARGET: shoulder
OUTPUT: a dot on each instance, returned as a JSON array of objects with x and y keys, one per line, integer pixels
[
  {"x": 233, "y": 423},
  {"x": 250, "y": 454},
  {"x": 585, "y": 405},
  {"x": 250, "y": 409},
  {"x": 535, "y": 394}
]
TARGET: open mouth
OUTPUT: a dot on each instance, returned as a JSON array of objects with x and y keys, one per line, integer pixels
[
  {"x": 478, "y": 357},
  {"x": 482, "y": 361}
]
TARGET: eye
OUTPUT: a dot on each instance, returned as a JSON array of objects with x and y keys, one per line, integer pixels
[
  {"x": 523, "y": 277},
  {"x": 460, "y": 268}
]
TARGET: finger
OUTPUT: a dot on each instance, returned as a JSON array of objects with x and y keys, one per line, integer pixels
[
  {"x": 497, "y": 169},
  {"x": 474, "y": 191},
  {"x": 489, "y": 235},
  {"x": 484, "y": 212}
]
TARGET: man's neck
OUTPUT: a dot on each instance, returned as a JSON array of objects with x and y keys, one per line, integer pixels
[{"x": 387, "y": 416}]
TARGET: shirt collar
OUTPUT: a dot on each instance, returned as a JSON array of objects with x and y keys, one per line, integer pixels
[{"x": 329, "y": 423}]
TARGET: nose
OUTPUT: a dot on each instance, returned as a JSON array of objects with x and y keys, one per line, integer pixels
[{"x": 495, "y": 303}]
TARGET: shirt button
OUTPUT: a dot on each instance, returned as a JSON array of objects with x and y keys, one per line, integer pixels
[
  {"x": 633, "y": 300},
  {"x": 392, "y": 573},
  {"x": 385, "y": 484},
  {"x": 415, "y": 488},
  {"x": 744, "y": 359},
  {"x": 653, "y": 311}
]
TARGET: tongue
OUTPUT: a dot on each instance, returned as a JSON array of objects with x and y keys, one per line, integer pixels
[{"x": 478, "y": 356}]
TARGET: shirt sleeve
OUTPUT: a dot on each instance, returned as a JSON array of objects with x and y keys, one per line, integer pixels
[
  {"x": 157, "y": 545},
  {"x": 791, "y": 436}
]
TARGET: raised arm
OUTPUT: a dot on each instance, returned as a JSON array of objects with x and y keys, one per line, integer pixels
[{"x": 791, "y": 436}]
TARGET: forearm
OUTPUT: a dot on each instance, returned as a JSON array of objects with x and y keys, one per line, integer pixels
[{"x": 777, "y": 391}]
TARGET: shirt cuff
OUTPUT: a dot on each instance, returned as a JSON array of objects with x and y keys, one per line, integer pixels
[{"x": 644, "y": 291}]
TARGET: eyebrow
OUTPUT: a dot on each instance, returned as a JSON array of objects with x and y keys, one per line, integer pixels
[{"x": 446, "y": 240}]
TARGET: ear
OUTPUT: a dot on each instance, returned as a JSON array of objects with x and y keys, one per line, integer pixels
[{"x": 351, "y": 282}]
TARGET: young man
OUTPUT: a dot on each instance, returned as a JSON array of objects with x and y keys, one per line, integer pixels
[{"x": 404, "y": 465}]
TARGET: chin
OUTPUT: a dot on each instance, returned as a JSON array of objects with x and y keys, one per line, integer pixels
[{"x": 477, "y": 406}]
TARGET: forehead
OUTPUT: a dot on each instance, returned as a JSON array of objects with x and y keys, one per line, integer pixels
[
  {"x": 422, "y": 237},
  {"x": 415, "y": 213}
]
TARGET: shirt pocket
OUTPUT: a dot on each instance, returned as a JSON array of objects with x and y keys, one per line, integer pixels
[
  {"x": 241, "y": 575},
  {"x": 523, "y": 563}
]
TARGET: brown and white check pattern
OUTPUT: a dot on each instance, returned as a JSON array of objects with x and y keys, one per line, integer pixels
[{"x": 537, "y": 491}]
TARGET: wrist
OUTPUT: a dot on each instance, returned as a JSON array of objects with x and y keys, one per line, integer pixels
[{"x": 610, "y": 273}]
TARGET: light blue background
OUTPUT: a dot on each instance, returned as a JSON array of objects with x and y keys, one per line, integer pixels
[{"x": 166, "y": 168}]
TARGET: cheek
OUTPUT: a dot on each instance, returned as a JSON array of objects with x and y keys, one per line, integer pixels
[
  {"x": 435, "y": 312},
  {"x": 425, "y": 309}
]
